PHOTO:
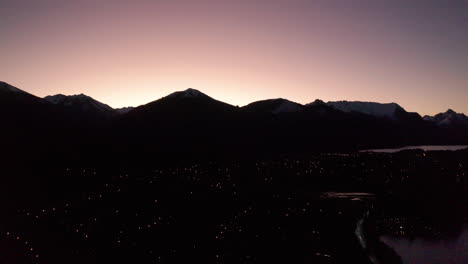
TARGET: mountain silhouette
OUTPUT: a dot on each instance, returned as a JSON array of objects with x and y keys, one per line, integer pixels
[
  {"x": 82, "y": 102},
  {"x": 448, "y": 118},
  {"x": 274, "y": 106},
  {"x": 192, "y": 123},
  {"x": 25, "y": 118},
  {"x": 190, "y": 103},
  {"x": 370, "y": 108}
]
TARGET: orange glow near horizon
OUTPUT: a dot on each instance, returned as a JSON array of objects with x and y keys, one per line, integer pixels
[{"x": 128, "y": 53}]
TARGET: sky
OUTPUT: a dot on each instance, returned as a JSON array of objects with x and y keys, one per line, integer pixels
[{"x": 128, "y": 53}]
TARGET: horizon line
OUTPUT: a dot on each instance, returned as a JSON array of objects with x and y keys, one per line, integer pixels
[{"x": 279, "y": 98}]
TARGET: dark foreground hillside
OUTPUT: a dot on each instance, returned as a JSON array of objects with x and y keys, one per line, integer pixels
[
  {"x": 187, "y": 178},
  {"x": 316, "y": 209}
]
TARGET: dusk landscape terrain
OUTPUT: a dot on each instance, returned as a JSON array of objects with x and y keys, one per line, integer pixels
[{"x": 314, "y": 131}]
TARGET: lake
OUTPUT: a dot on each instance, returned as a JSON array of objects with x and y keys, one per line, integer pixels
[
  {"x": 424, "y": 148},
  {"x": 430, "y": 251}
]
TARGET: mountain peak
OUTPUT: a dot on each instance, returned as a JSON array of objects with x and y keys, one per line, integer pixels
[
  {"x": 317, "y": 102},
  {"x": 448, "y": 118},
  {"x": 274, "y": 106},
  {"x": 287, "y": 106},
  {"x": 190, "y": 92}
]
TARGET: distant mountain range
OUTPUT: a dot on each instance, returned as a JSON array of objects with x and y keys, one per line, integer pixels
[
  {"x": 191, "y": 121},
  {"x": 86, "y": 103},
  {"x": 448, "y": 118}
]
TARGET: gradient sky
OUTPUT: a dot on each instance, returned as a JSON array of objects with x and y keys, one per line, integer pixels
[{"x": 122, "y": 52}]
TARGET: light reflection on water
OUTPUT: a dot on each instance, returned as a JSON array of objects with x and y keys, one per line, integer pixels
[
  {"x": 421, "y": 250},
  {"x": 425, "y": 148}
]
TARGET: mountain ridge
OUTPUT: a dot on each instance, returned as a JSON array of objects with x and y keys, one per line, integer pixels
[
  {"x": 6, "y": 87},
  {"x": 190, "y": 123},
  {"x": 364, "y": 107},
  {"x": 275, "y": 106},
  {"x": 447, "y": 118}
]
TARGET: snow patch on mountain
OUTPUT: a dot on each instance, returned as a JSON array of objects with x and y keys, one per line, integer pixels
[
  {"x": 370, "y": 108},
  {"x": 80, "y": 100},
  {"x": 448, "y": 118}
]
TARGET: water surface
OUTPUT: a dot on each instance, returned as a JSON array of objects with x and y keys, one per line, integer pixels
[
  {"x": 429, "y": 251},
  {"x": 424, "y": 148}
]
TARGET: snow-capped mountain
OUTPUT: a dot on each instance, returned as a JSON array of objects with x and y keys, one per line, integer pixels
[
  {"x": 388, "y": 110},
  {"x": 80, "y": 101},
  {"x": 188, "y": 121},
  {"x": 274, "y": 106},
  {"x": 319, "y": 107},
  {"x": 450, "y": 117}
]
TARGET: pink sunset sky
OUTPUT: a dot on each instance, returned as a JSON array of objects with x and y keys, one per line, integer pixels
[{"x": 128, "y": 53}]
